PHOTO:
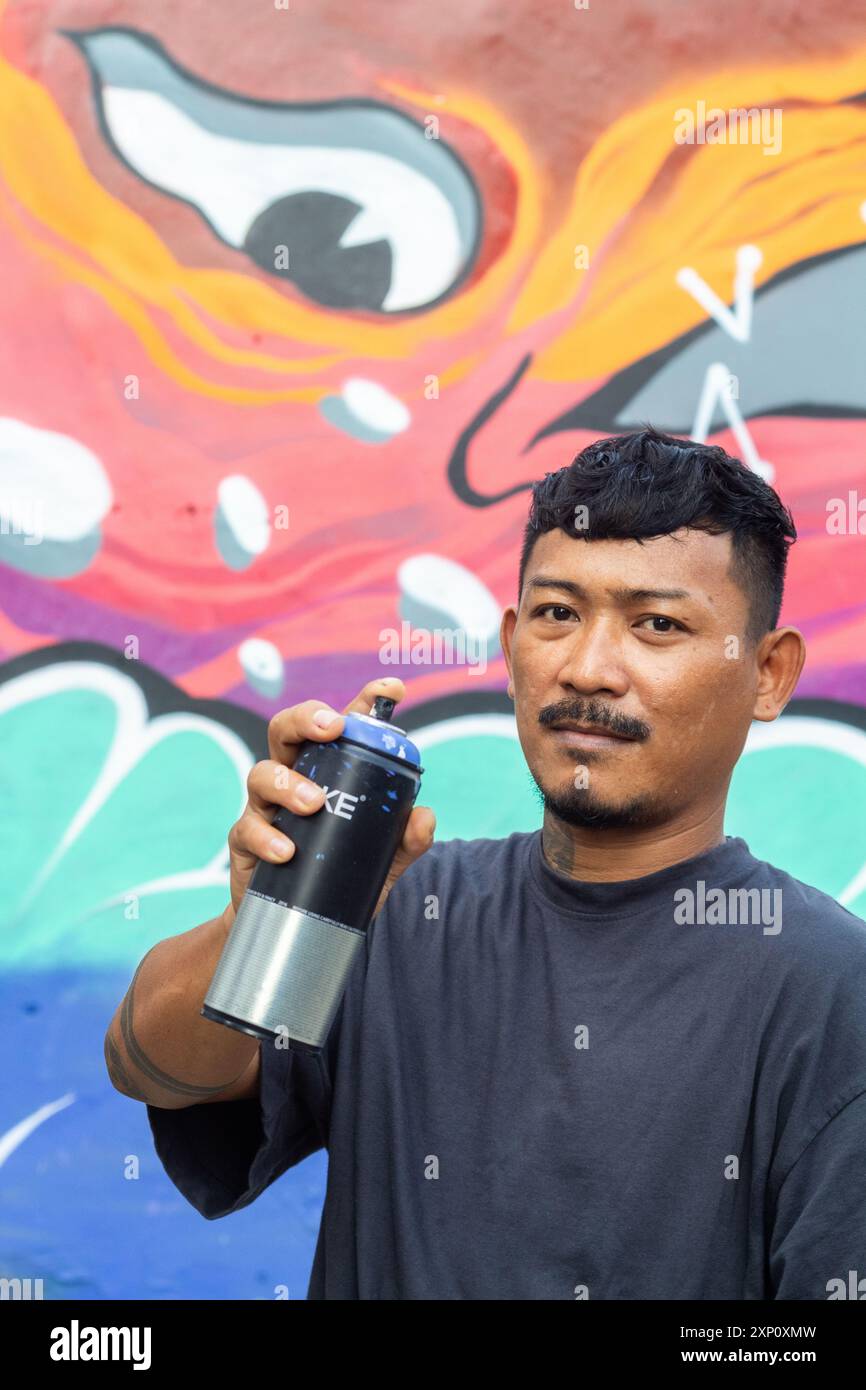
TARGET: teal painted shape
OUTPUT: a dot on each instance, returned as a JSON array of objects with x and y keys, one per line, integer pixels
[
  {"x": 53, "y": 748},
  {"x": 168, "y": 813},
  {"x": 479, "y": 787},
  {"x": 803, "y": 808}
]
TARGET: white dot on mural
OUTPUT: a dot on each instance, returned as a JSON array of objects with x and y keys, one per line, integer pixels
[
  {"x": 374, "y": 406},
  {"x": 439, "y": 591},
  {"x": 242, "y": 523},
  {"x": 51, "y": 480},
  {"x": 262, "y": 665},
  {"x": 366, "y": 411}
]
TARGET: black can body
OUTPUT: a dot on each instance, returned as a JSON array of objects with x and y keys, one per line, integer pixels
[
  {"x": 302, "y": 923},
  {"x": 344, "y": 851}
]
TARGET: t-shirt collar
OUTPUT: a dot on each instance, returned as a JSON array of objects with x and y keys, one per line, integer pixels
[{"x": 726, "y": 865}]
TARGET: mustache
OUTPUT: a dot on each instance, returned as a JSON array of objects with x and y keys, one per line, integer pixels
[{"x": 590, "y": 712}]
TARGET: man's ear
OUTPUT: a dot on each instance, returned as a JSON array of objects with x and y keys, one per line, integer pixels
[
  {"x": 506, "y": 631},
  {"x": 781, "y": 655}
]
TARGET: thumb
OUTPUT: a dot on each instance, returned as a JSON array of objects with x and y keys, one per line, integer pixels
[{"x": 417, "y": 839}]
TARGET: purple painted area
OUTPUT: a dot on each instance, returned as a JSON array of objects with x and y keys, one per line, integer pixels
[
  {"x": 846, "y": 683},
  {"x": 45, "y": 607}
]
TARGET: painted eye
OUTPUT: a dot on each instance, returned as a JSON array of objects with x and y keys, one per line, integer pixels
[{"x": 347, "y": 199}]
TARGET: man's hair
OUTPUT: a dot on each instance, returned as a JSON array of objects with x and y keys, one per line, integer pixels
[{"x": 634, "y": 486}]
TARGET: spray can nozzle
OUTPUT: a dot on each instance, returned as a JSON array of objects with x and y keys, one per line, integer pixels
[{"x": 383, "y": 708}]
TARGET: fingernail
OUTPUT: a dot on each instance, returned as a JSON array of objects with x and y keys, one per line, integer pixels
[
  {"x": 308, "y": 793},
  {"x": 280, "y": 845},
  {"x": 324, "y": 717}
]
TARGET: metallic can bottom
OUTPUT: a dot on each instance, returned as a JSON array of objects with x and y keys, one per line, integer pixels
[
  {"x": 254, "y": 1031},
  {"x": 282, "y": 973}
]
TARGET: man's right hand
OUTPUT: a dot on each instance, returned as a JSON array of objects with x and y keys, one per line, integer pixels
[{"x": 270, "y": 786}]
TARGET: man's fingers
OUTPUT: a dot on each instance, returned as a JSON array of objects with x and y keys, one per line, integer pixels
[
  {"x": 271, "y": 784},
  {"x": 391, "y": 686},
  {"x": 293, "y": 726},
  {"x": 419, "y": 832},
  {"x": 417, "y": 838},
  {"x": 253, "y": 835}
]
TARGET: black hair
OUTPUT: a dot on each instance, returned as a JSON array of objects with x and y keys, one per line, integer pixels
[{"x": 634, "y": 486}]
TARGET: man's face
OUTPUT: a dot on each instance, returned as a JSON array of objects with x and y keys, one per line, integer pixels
[{"x": 649, "y": 644}]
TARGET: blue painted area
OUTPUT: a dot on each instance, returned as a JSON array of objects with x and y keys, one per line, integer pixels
[{"x": 67, "y": 1213}]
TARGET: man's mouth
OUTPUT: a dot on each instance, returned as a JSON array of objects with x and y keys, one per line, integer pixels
[{"x": 575, "y": 734}]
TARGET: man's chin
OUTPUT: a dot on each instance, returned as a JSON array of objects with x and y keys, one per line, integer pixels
[{"x": 580, "y": 806}]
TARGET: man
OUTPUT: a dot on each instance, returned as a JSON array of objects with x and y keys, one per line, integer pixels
[{"x": 617, "y": 1058}]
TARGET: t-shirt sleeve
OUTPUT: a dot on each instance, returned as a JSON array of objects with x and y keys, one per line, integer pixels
[
  {"x": 819, "y": 1228},
  {"x": 221, "y": 1155}
]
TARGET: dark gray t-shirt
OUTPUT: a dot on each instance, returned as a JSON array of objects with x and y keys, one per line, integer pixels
[{"x": 538, "y": 1088}]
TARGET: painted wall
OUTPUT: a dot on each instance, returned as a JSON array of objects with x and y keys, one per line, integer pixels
[{"x": 296, "y": 302}]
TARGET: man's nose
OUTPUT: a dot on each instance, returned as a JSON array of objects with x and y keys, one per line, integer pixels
[{"x": 594, "y": 660}]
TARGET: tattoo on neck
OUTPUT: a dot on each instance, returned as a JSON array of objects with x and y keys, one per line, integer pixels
[{"x": 558, "y": 848}]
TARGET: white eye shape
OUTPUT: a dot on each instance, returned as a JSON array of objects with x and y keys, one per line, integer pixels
[
  {"x": 347, "y": 199},
  {"x": 54, "y": 497},
  {"x": 436, "y": 592},
  {"x": 242, "y": 524},
  {"x": 262, "y": 665}
]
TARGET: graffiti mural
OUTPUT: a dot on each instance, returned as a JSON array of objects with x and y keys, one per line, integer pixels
[{"x": 297, "y": 302}]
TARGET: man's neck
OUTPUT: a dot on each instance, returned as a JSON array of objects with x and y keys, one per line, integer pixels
[{"x": 599, "y": 856}]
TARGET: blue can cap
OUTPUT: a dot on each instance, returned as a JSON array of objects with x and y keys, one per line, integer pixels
[{"x": 382, "y": 737}]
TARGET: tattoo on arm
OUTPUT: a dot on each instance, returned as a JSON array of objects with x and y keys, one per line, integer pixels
[
  {"x": 140, "y": 1059},
  {"x": 117, "y": 1071}
]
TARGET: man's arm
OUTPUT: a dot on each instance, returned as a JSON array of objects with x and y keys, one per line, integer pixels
[
  {"x": 818, "y": 1243},
  {"x": 159, "y": 1049}
]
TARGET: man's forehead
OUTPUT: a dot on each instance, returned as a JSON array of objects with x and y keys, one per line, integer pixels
[{"x": 688, "y": 558}]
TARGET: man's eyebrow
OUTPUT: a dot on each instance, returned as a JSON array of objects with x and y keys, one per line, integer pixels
[{"x": 618, "y": 595}]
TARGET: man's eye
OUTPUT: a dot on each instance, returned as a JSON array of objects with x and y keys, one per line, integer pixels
[
  {"x": 658, "y": 618},
  {"x": 554, "y": 608}
]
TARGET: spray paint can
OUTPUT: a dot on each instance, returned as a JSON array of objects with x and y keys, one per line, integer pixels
[{"x": 300, "y": 925}]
